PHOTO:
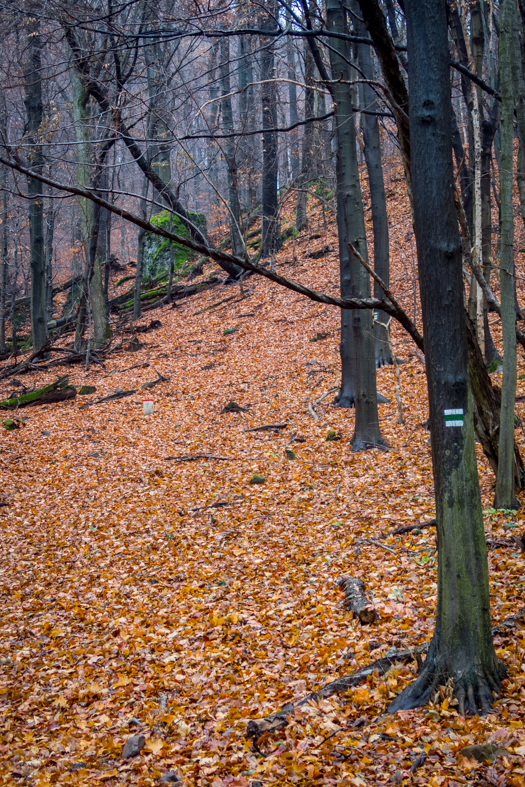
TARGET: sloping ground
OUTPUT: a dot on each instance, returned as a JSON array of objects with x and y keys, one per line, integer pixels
[{"x": 176, "y": 599}]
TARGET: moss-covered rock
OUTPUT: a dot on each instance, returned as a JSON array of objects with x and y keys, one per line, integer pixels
[
  {"x": 87, "y": 389},
  {"x": 257, "y": 479},
  {"x": 157, "y": 250}
]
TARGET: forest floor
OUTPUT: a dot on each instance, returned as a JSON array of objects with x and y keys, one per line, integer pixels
[{"x": 142, "y": 594}]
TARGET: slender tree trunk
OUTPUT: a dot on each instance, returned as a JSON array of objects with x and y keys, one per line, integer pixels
[
  {"x": 234, "y": 211},
  {"x": 137, "y": 311},
  {"x": 367, "y": 433},
  {"x": 246, "y": 118},
  {"x": 33, "y": 102},
  {"x": 488, "y": 129},
  {"x": 461, "y": 648},
  {"x": 374, "y": 166},
  {"x": 505, "y": 497},
  {"x": 97, "y": 262},
  {"x": 301, "y": 219},
  {"x": 294, "y": 114},
  {"x": 270, "y": 205},
  {"x": 50, "y": 230}
]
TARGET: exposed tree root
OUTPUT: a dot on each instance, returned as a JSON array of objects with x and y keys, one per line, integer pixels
[
  {"x": 474, "y": 688},
  {"x": 474, "y": 692}
]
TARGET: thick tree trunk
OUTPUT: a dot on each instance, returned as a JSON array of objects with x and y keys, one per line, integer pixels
[
  {"x": 462, "y": 647},
  {"x": 505, "y": 497},
  {"x": 372, "y": 143},
  {"x": 270, "y": 205},
  {"x": 352, "y": 224},
  {"x": 33, "y": 102}
]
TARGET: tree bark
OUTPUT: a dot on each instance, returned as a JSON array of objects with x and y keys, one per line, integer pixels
[
  {"x": 33, "y": 102},
  {"x": 505, "y": 497},
  {"x": 461, "y": 648}
]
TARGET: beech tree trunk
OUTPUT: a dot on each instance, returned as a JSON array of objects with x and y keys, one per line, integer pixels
[
  {"x": 33, "y": 102},
  {"x": 505, "y": 497},
  {"x": 461, "y": 648}
]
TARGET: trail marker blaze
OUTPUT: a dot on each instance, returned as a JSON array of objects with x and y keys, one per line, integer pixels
[{"x": 454, "y": 417}]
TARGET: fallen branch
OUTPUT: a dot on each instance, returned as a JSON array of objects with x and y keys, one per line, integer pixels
[
  {"x": 357, "y": 601},
  {"x": 160, "y": 379},
  {"x": 196, "y": 457},
  {"x": 59, "y": 391},
  {"x": 267, "y": 428},
  {"x": 110, "y": 398},
  {"x": 18, "y": 368}
]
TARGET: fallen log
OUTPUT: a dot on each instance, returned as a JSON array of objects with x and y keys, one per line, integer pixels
[
  {"x": 59, "y": 391},
  {"x": 357, "y": 601}
]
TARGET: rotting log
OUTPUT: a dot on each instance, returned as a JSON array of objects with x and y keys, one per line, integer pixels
[
  {"x": 59, "y": 391},
  {"x": 357, "y": 601}
]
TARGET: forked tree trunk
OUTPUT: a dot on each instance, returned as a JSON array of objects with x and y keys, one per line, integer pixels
[
  {"x": 351, "y": 222},
  {"x": 33, "y": 102},
  {"x": 505, "y": 497},
  {"x": 461, "y": 648}
]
